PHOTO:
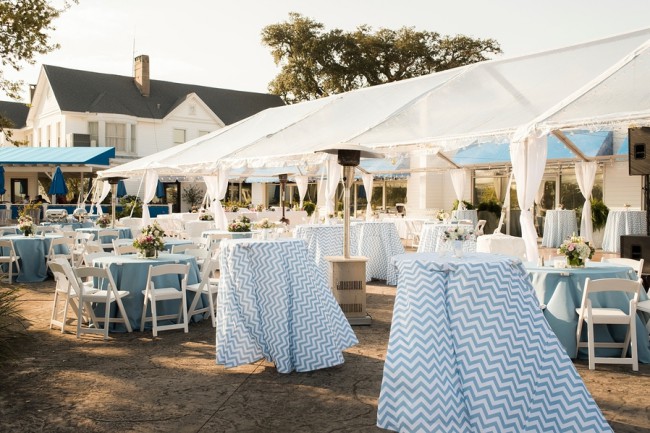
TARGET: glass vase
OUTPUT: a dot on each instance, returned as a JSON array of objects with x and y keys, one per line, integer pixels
[
  {"x": 458, "y": 248},
  {"x": 575, "y": 262}
]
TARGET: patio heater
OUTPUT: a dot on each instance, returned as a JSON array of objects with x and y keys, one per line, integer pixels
[
  {"x": 283, "y": 187},
  {"x": 113, "y": 181},
  {"x": 347, "y": 276}
]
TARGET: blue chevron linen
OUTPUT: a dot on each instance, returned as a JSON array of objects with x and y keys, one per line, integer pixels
[
  {"x": 272, "y": 305},
  {"x": 470, "y": 351},
  {"x": 431, "y": 238},
  {"x": 378, "y": 241}
]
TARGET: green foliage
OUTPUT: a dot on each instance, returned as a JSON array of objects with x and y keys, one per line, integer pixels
[
  {"x": 468, "y": 205},
  {"x": 129, "y": 202},
  {"x": 316, "y": 63},
  {"x": 233, "y": 206},
  {"x": 24, "y": 33},
  {"x": 192, "y": 195},
  {"x": 599, "y": 213},
  {"x": 490, "y": 206},
  {"x": 309, "y": 207},
  {"x": 11, "y": 325}
]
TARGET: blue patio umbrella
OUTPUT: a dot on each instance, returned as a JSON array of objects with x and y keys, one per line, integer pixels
[
  {"x": 121, "y": 189},
  {"x": 58, "y": 186},
  {"x": 2, "y": 180},
  {"x": 160, "y": 190}
]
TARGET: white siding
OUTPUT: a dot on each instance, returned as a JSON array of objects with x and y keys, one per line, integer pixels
[{"x": 619, "y": 188}]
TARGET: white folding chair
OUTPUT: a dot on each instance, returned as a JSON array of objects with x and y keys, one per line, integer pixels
[
  {"x": 61, "y": 248},
  {"x": 480, "y": 226},
  {"x": 8, "y": 258},
  {"x": 41, "y": 230},
  {"x": 412, "y": 234},
  {"x": 153, "y": 294},
  {"x": 121, "y": 248},
  {"x": 89, "y": 256},
  {"x": 106, "y": 292},
  {"x": 208, "y": 286},
  {"x": 637, "y": 265},
  {"x": 106, "y": 237},
  {"x": 80, "y": 244},
  {"x": 180, "y": 248},
  {"x": 609, "y": 316},
  {"x": 65, "y": 292},
  {"x": 199, "y": 254}
]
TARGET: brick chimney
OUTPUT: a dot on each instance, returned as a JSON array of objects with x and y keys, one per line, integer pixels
[{"x": 141, "y": 74}]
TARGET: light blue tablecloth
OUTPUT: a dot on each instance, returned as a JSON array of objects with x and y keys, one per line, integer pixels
[
  {"x": 271, "y": 304},
  {"x": 623, "y": 222},
  {"x": 130, "y": 274},
  {"x": 561, "y": 291},
  {"x": 33, "y": 251},
  {"x": 171, "y": 242},
  {"x": 125, "y": 232},
  {"x": 470, "y": 351},
  {"x": 558, "y": 225},
  {"x": 431, "y": 239}
]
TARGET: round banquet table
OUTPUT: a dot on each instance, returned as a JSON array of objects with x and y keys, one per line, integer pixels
[
  {"x": 33, "y": 251},
  {"x": 561, "y": 291},
  {"x": 558, "y": 225},
  {"x": 469, "y": 351},
  {"x": 431, "y": 238},
  {"x": 623, "y": 222},
  {"x": 124, "y": 232},
  {"x": 130, "y": 273}
]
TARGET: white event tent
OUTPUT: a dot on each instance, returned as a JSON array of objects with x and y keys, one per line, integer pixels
[{"x": 596, "y": 85}]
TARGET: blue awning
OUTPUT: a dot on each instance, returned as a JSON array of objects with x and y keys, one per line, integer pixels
[
  {"x": 591, "y": 144},
  {"x": 56, "y": 156}
]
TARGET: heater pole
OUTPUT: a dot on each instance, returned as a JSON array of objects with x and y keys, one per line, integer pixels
[{"x": 348, "y": 176}]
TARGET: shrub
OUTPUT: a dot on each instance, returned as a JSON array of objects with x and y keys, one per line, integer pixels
[
  {"x": 309, "y": 207},
  {"x": 12, "y": 326},
  {"x": 468, "y": 205},
  {"x": 490, "y": 206}
]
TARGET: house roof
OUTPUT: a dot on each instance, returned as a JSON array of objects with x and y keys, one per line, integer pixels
[
  {"x": 56, "y": 156},
  {"x": 84, "y": 91},
  {"x": 16, "y": 112}
]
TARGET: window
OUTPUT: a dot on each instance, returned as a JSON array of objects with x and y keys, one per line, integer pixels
[
  {"x": 179, "y": 136},
  {"x": 116, "y": 136},
  {"x": 93, "y": 131}
]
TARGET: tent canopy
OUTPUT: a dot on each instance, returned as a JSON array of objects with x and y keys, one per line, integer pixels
[{"x": 593, "y": 86}]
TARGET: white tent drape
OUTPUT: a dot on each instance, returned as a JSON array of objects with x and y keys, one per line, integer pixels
[
  {"x": 458, "y": 179},
  {"x": 105, "y": 188},
  {"x": 540, "y": 192},
  {"x": 367, "y": 185},
  {"x": 302, "y": 182},
  {"x": 150, "y": 184},
  {"x": 586, "y": 175},
  {"x": 216, "y": 187},
  {"x": 333, "y": 178},
  {"x": 528, "y": 158}
]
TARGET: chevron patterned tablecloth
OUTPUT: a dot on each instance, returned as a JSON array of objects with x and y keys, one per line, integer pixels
[
  {"x": 272, "y": 305},
  {"x": 623, "y": 222},
  {"x": 558, "y": 225},
  {"x": 378, "y": 241},
  {"x": 470, "y": 351},
  {"x": 431, "y": 238}
]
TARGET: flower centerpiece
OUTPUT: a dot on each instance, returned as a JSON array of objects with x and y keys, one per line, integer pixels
[
  {"x": 26, "y": 225},
  {"x": 206, "y": 217},
  {"x": 240, "y": 225},
  {"x": 442, "y": 215},
  {"x": 104, "y": 220},
  {"x": 576, "y": 251},
  {"x": 457, "y": 235},
  {"x": 266, "y": 226},
  {"x": 150, "y": 240}
]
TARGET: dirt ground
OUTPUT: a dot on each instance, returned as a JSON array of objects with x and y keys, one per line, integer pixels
[{"x": 135, "y": 383}]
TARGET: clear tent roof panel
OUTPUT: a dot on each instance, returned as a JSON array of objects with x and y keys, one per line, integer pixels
[{"x": 501, "y": 95}]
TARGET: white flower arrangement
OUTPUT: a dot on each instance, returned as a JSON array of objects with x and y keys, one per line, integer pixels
[
  {"x": 26, "y": 224},
  {"x": 265, "y": 223},
  {"x": 458, "y": 233},
  {"x": 442, "y": 215}
]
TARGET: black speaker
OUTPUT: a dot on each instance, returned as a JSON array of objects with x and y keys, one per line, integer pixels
[
  {"x": 637, "y": 247},
  {"x": 638, "y": 140}
]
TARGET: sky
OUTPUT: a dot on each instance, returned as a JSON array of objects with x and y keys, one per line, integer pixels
[{"x": 217, "y": 43}]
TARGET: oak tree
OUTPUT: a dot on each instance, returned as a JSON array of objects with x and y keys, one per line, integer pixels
[{"x": 316, "y": 63}]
